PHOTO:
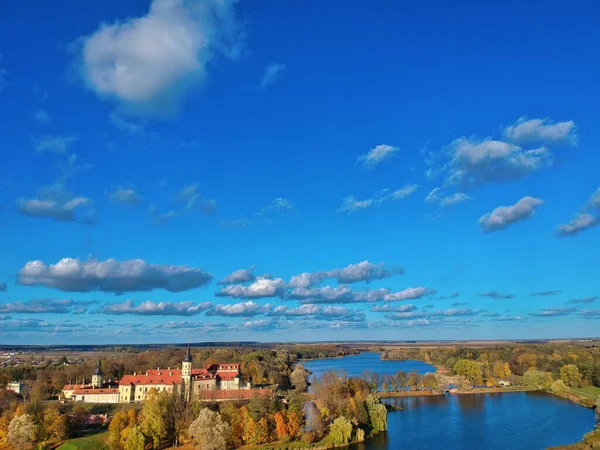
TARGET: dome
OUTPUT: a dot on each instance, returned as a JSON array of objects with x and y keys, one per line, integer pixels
[{"x": 98, "y": 370}]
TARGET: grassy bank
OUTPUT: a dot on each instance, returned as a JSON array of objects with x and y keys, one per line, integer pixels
[{"x": 93, "y": 442}]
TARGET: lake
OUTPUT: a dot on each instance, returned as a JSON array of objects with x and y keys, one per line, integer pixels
[
  {"x": 512, "y": 420},
  {"x": 355, "y": 365}
]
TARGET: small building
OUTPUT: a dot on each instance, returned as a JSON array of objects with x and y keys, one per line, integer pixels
[
  {"x": 503, "y": 383},
  {"x": 97, "y": 395},
  {"x": 16, "y": 386}
]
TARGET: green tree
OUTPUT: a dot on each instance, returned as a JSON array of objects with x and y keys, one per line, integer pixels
[
  {"x": 377, "y": 413},
  {"x": 570, "y": 375},
  {"x": 537, "y": 379},
  {"x": 340, "y": 431},
  {"x": 469, "y": 369},
  {"x": 209, "y": 432},
  {"x": 558, "y": 387},
  {"x": 429, "y": 381},
  {"x": 154, "y": 422},
  {"x": 135, "y": 439}
]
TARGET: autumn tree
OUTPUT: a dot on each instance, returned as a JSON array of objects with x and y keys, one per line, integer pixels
[
  {"x": 401, "y": 380},
  {"x": 429, "y": 381},
  {"x": 209, "y": 432},
  {"x": 558, "y": 387},
  {"x": 294, "y": 424},
  {"x": 501, "y": 369},
  {"x": 570, "y": 375},
  {"x": 21, "y": 432},
  {"x": 281, "y": 427},
  {"x": 469, "y": 369},
  {"x": 299, "y": 378}
]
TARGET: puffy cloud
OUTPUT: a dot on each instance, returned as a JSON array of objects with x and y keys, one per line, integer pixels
[
  {"x": 244, "y": 309},
  {"x": 339, "y": 294},
  {"x": 272, "y": 73},
  {"x": 150, "y": 308},
  {"x": 260, "y": 288},
  {"x": 41, "y": 305},
  {"x": 408, "y": 294},
  {"x": 132, "y": 275},
  {"x": 376, "y": 156},
  {"x": 586, "y": 300},
  {"x": 545, "y": 293},
  {"x": 552, "y": 312},
  {"x": 191, "y": 200},
  {"x": 148, "y": 63},
  {"x": 304, "y": 310},
  {"x": 3, "y": 287},
  {"x": 496, "y": 295},
  {"x": 503, "y": 216},
  {"x": 125, "y": 195},
  {"x": 351, "y": 204},
  {"x": 239, "y": 276},
  {"x": 542, "y": 131},
  {"x": 579, "y": 223},
  {"x": 437, "y": 196},
  {"x": 199, "y": 327},
  {"x": 362, "y": 271},
  {"x": 400, "y": 308},
  {"x": 473, "y": 162},
  {"x": 54, "y": 144}
]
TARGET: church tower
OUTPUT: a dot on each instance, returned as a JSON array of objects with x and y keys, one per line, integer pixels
[
  {"x": 186, "y": 374},
  {"x": 97, "y": 376}
]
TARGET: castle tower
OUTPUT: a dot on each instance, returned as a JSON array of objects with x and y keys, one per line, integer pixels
[
  {"x": 97, "y": 376},
  {"x": 186, "y": 374}
]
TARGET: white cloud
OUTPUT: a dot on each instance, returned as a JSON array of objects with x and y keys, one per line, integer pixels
[
  {"x": 408, "y": 294},
  {"x": 150, "y": 308},
  {"x": 54, "y": 143},
  {"x": 125, "y": 195},
  {"x": 279, "y": 205},
  {"x": 303, "y": 310},
  {"x": 133, "y": 127},
  {"x": 339, "y": 294},
  {"x": 278, "y": 208},
  {"x": 272, "y": 73},
  {"x": 579, "y": 223},
  {"x": 376, "y": 156},
  {"x": 362, "y": 271},
  {"x": 239, "y": 276},
  {"x": 41, "y": 306},
  {"x": 244, "y": 309},
  {"x": 351, "y": 204},
  {"x": 474, "y": 161},
  {"x": 260, "y": 288},
  {"x": 542, "y": 131},
  {"x": 588, "y": 217},
  {"x": 437, "y": 196},
  {"x": 148, "y": 63},
  {"x": 132, "y": 275},
  {"x": 503, "y": 216}
]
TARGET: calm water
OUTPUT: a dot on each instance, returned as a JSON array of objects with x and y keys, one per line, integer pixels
[
  {"x": 516, "y": 421},
  {"x": 355, "y": 365}
]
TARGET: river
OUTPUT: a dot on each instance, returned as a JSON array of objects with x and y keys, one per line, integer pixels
[{"x": 512, "y": 420}]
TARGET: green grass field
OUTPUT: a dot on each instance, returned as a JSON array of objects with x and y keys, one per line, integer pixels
[
  {"x": 93, "y": 442},
  {"x": 590, "y": 392}
]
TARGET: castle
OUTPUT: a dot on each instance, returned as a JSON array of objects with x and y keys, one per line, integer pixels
[{"x": 216, "y": 382}]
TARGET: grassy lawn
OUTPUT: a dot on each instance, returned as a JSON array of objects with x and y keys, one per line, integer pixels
[
  {"x": 590, "y": 392},
  {"x": 93, "y": 442}
]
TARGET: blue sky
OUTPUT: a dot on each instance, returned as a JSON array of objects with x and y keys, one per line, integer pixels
[{"x": 398, "y": 170}]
